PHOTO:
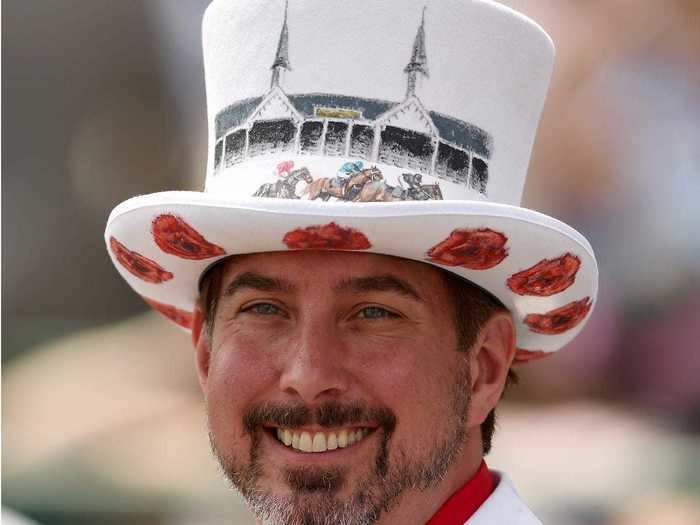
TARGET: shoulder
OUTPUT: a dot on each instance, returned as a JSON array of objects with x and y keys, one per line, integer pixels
[{"x": 503, "y": 506}]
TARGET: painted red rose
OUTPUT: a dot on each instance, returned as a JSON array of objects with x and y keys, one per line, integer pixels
[
  {"x": 140, "y": 266},
  {"x": 176, "y": 237},
  {"x": 561, "y": 319},
  {"x": 547, "y": 277},
  {"x": 181, "y": 317},
  {"x": 326, "y": 237},
  {"x": 525, "y": 356},
  {"x": 473, "y": 249}
]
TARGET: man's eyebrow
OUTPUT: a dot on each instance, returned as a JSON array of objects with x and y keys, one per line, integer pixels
[
  {"x": 258, "y": 282},
  {"x": 379, "y": 283}
]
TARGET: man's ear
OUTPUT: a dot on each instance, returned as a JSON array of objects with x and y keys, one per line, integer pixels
[
  {"x": 490, "y": 359},
  {"x": 200, "y": 339}
]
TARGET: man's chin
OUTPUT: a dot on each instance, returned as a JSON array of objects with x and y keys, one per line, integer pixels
[
  {"x": 310, "y": 495},
  {"x": 308, "y": 480}
]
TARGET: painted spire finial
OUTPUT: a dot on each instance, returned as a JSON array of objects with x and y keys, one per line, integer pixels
[
  {"x": 419, "y": 59},
  {"x": 282, "y": 55}
]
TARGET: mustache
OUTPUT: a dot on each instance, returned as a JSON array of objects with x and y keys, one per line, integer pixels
[{"x": 329, "y": 414}]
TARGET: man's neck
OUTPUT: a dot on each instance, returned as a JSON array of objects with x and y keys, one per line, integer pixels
[{"x": 418, "y": 506}]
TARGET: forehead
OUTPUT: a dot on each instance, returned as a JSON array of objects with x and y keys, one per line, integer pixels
[{"x": 328, "y": 267}]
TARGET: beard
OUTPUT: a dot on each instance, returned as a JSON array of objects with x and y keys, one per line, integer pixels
[{"x": 313, "y": 498}]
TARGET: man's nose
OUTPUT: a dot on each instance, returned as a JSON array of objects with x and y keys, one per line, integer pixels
[{"x": 314, "y": 369}]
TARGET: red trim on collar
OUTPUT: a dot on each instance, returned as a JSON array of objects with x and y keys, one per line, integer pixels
[{"x": 465, "y": 502}]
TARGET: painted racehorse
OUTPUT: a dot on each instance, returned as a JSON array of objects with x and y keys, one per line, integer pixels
[
  {"x": 344, "y": 188},
  {"x": 285, "y": 188},
  {"x": 380, "y": 191}
]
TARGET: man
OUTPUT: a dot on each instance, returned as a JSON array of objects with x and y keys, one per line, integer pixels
[{"x": 351, "y": 355}]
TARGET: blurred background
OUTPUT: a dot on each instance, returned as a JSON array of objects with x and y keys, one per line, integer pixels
[{"x": 102, "y": 418}]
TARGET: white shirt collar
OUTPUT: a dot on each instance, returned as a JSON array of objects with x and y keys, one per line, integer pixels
[{"x": 503, "y": 506}]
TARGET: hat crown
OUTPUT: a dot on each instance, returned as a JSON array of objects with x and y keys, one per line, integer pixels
[
  {"x": 387, "y": 101},
  {"x": 361, "y": 107}
]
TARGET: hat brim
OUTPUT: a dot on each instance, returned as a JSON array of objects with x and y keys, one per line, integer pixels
[{"x": 543, "y": 270}]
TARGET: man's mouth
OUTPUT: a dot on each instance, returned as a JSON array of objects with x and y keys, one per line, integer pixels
[{"x": 305, "y": 441}]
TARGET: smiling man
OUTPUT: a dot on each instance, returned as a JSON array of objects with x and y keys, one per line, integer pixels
[
  {"x": 340, "y": 384},
  {"x": 354, "y": 336}
]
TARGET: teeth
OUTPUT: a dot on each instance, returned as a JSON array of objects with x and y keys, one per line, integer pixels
[
  {"x": 305, "y": 442},
  {"x": 320, "y": 441},
  {"x": 332, "y": 441}
]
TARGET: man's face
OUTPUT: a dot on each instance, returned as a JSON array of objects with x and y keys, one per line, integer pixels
[{"x": 351, "y": 357}]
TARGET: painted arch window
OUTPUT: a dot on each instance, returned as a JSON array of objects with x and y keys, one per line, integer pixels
[
  {"x": 234, "y": 149},
  {"x": 480, "y": 175},
  {"x": 218, "y": 149},
  {"x": 452, "y": 164},
  {"x": 271, "y": 136},
  {"x": 311, "y": 135},
  {"x": 361, "y": 140},
  {"x": 336, "y": 139},
  {"x": 406, "y": 148}
]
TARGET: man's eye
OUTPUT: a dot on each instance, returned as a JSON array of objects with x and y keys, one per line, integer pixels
[
  {"x": 375, "y": 312},
  {"x": 263, "y": 309}
]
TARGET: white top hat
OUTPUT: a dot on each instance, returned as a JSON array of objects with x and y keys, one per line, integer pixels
[{"x": 400, "y": 127}]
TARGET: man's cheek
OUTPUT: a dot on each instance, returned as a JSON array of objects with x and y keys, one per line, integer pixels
[
  {"x": 240, "y": 370},
  {"x": 252, "y": 354},
  {"x": 225, "y": 399},
  {"x": 235, "y": 383}
]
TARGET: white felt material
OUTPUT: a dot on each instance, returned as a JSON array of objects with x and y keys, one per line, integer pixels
[
  {"x": 405, "y": 123},
  {"x": 488, "y": 65}
]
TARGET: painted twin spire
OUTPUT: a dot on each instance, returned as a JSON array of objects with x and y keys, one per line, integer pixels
[
  {"x": 419, "y": 59},
  {"x": 417, "y": 64},
  {"x": 282, "y": 55}
]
